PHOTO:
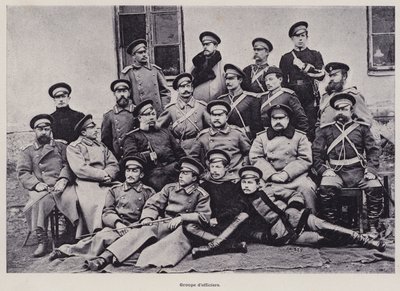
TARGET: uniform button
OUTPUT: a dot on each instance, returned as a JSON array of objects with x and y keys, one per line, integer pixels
[
  {"x": 186, "y": 210},
  {"x": 43, "y": 172},
  {"x": 120, "y": 138},
  {"x": 138, "y": 208},
  {"x": 190, "y": 200},
  {"x": 140, "y": 198},
  {"x": 118, "y": 129}
]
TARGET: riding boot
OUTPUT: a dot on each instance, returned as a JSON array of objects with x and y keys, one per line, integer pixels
[
  {"x": 329, "y": 206},
  {"x": 374, "y": 209},
  {"x": 239, "y": 219},
  {"x": 342, "y": 235},
  {"x": 43, "y": 242},
  {"x": 198, "y": 234},
  {"x": 233, "y": 247}
]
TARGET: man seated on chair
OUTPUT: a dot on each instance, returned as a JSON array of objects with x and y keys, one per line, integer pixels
[
  {"x": 123, "y": 207},
  {"x": 284, "y": 155},
  {"x": 43, "y": 170},
  {"x": 346, "y": 155}
]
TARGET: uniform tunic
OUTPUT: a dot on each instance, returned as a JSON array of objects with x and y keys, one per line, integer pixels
[
  {"x": 47, "y": 164},
  {"x": 116, "y": 124},
  {"x": 287, "y": 97},
  {"x": 124, "y": 203},
  {"x": 255, "y": 78},
  {"x": 142, "y": 143},
  {"x": 289, "y": 152},
  {"x": 246, "y": 113},
  {"x": 148, "y": 82},
  {"x": 230, "y": 139},
  {"x": 91, "y": 161},
  {"x": 192, "y": 203},
  {"x": 185, "y": 120},
  {"x": 64, "y": 123}
]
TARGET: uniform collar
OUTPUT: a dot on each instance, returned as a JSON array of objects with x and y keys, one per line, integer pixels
[
  {"x": 87, "y": 141},
  {"x": 240, "y": 92},
  {"x": 129, "y": 108},
  {"x": 262, "y": 65},
  {"x": 350, "y": 122},
  {"x": 63, "y": 109},
  {"x": 214, "y": 131},
  {"x": 137, "y": 187},
  {"x": 300, "y": 50},
  {"x": 188, "y": 189},
  {"x": 182, "y": 104},
  {"x": 288, "y": 132},
  {"x": 138, "y": 66},
  {"x": 38, "y": 145}
]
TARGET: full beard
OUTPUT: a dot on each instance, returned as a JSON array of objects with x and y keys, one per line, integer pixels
[
  {"x": 334, "y": 87},
  {"x": 123, "y": 102},
  {"x": 43, "y": 139}
]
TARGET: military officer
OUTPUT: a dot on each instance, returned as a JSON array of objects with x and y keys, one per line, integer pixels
[
  {"x": 187, "y": 116},
  {"x": 147, "y": 80},
  {"x": 338, "y": 153},
  {"x": 119, "y": 120},
  {"x": 64, "y": 117},
  {"x": 208, "y": 69},
  {"x": 224, "y": 136},
  {"x": 245, "y": 106},
  {"x": 42, "y": 169},
  {"x": 185, "y": 202},
  {"x": 157, "y": 146},
  {"x": 284, "y": 155},
  {"x": 95, "y": 168},
  {"x": 255, "y": 73},
  {"x": 302, "y": 69},
  {"x": 278, "y": 95}
]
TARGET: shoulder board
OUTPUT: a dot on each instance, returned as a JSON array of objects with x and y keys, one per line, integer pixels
[
  {"x": 27, "y": 146},
  {"x": 147, "y": 187},
  {"x": 287, "y": 90},
  {"x": 300, "y": 131},
  {"x": 75, "y": 143},
  {"x": 263, "y": 94},
  {"x": 108, "y": 112},
  {"x": 61, "y": 141},
  {"x": 222, "y": 96},
  {"x": 235, "y": 127},
  {"x": 202, "y": 191},
  {"x": 132, "y": 131},
  {"x": 126, "y": 69},
  {"x": 252, "y": 94},
  {"x": 202, "y": 102},
  {"x": 157, "y": 67},
  {"x": 261, "y": 132},
  {"x": 362, "y": 122},
  {"x": 202, "y": 132},
  {"x": 169, "y": 105},
  {"x": 116, "y": 186},
  {"x": 327, "y": 124},
  {"x": 351, "y": 90}
]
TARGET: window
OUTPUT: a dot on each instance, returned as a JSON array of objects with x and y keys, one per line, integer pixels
[
  {"x": 161, "y": 26},
  {"x": 381, "y": 38}
]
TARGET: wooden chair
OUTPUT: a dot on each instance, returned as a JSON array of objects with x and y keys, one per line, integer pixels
[{"x": 358, "y": 194}]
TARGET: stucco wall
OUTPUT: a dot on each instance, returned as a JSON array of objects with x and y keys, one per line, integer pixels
[
  {"x": 339, "y": 33},
  {"x": 46, "y": 45}
]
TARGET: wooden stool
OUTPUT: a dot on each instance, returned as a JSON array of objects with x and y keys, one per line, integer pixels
[{"x": 358, "y": 194}]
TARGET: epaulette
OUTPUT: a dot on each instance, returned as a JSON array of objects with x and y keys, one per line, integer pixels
[
  {"x": 157, "y": 67},
  {"x": 252, "y": 94},
  {"x": 203, "y": 192},
  {"x": 201, "y": 132},
  {"x": 327, "y": 124},
  {"x": 222, "y": 96},
  {"x": 132, "y": 131},
  {"x": 300, "y": 131},
  {"x": 118, "y": 185},
  {"x": 261, "y": 132},
  {"x": 126, "y": 69},
  {"x": 202, "y": 102},
  {"x": 75, "y": 143},
  {"x": 169, "y": 104},
  {"x": 287, "y": 90},
  {"x": 27, "y": 146},
  {"x": 62, "y": 141},
  {"x": 363, "y": 122},
  {"x": 236, "y": 127}
]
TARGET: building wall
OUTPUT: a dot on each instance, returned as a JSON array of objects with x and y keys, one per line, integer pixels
[
  {"x": 46, "y": 45},
  {"x": 339, "y": 33}
]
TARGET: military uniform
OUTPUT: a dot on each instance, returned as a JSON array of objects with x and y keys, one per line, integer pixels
[
  {"x": 148, "y": 82},
  {"x": 254, "y": 81},
  {"x": 290, "y": 152},
  {"x": 116, "y": 123},
  {"x": 64, "y": 122},
  {"x": 231, "y": 139},
  {"x": 289, "y": 98},
  {"x": 186, "y": 120},
  {"x": 124, "y": 203},
  {"x": 192, "y": 203},
  {"x": 47, "y": 164},
  {"x": 161, "y": 142},
  {"x": 91, "y": 161},
  {"x": 245, "y": 112}
]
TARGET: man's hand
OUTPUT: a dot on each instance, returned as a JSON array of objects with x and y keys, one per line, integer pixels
[
  {"x": 60, "y": 185},
  {"x": 41, "y": 187},
  {"x": 298, "y": 63},
  {"x": 146, "y": 221},
  {"x": 106, "y": 179},
  {"x": 213, "y": 222},
  {"x": 174, "y": 223},
  {"x": 123, "y": 231},
  {"x": 280, "y": 177},
  {"x": 329, "y": 173},
  {"x": 369, "y": 176}
]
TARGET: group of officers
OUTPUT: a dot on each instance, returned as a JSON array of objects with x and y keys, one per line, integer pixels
[{"x": 226, "y": 128}]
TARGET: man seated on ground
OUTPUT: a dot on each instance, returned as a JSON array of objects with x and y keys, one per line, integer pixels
[
  {"x": 289, "y": 222},
  {"x": 42, "y": 169},
  {"x": 123, "y": 207},
  {"x": 227, "y": 208},
  {"x": 182, "y": 203},
  {"x": 284, "y": 155},
  {"x": 346, "y": 155}
]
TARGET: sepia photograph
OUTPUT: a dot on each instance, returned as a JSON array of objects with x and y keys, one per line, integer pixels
[{"x": 182, "y": 139}]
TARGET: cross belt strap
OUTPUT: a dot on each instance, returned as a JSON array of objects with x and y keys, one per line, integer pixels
[
  {"x": 233, "y": 107},
  {"x": 346, "y": 162},
  {"x": 271, "y": 98},
  {"x": 342, "y": 136},
  {"x": 257, "y": 74},
  {"x": 185, "y": 117}
]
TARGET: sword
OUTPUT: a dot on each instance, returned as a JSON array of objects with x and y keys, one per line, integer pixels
[{"x": 29, "y": 205}]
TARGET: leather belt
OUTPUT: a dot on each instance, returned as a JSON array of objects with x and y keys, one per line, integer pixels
[{"x": 346, "y": 162}]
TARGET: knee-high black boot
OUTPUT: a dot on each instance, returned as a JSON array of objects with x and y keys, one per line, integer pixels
[
  {"x": 374, "y": 209},
  {"x": 329, "y": 209}
]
